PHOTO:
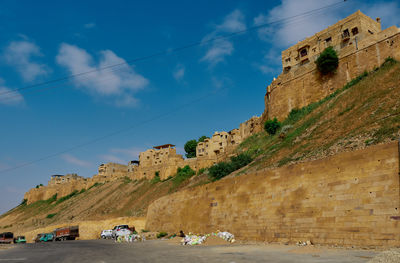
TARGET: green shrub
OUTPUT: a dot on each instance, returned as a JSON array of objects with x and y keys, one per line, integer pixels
[
  {"x": 24, "y": 202},
  {"x": 201, "y": 171},
  {"x": 162, "y": 234},
  {"x": 240, "y": 161},
  {"x": 65, "y": 198},
  {"x": 389, "y": 60},
  {"x": 272, "y": 126},
  {"x": 156, "y": 178},
  {"x": 95, "y": 185},
  {"x": 52, "y": 199},
  {"x": 127, "y": 180},
  {"x": 222, "y": 169},
  {"x": 145, "y": 230},
  {"x": 51, "y": 215},
  {"x": 328, "y": 61},
  {"x": 82, "y": 191},
  {"x": 182, "y": 175}
]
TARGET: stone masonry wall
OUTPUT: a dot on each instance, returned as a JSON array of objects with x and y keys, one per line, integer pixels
[
  {"x": 46, "y": 192},
  {"x": 305, "y": 85},
  {"x": 347, "y": 199}
]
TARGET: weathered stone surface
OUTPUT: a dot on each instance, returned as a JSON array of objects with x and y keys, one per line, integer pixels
[
  {"x": 303, "y": 84},
  {"x": 328, "y": 201}
]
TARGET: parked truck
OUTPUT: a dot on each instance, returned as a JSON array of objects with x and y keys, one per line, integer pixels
[
  {"x": 6, "y": 238},
  {"x": 66, "y": 233}
]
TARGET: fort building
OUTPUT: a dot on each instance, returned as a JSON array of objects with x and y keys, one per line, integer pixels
[
  {"x": 361, "y": 46},
  {"x": 250, "y": 127},
  {"x": 158, "y": 155},
  {"x": 110, "y": 170},
  {"x": 133, "y": 165},
  {"x": 347, "y": 32},
  {"x": 61, "y": 179},
  {"x": 162, "y": 160}
]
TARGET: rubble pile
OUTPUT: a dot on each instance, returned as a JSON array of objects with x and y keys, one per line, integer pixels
[
  {"x": 130, "y": 238},
  {"x": 200, "y": 239}
]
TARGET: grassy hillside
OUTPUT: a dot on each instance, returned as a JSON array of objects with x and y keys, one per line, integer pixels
[
  {"x": 119, "y": 198},
  {"x": 365, "y": 112}
]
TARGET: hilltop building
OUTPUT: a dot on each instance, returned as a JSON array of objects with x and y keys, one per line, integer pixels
[
  {"x": 361, "y": 46},
  {"x": 60, "y": 179}
]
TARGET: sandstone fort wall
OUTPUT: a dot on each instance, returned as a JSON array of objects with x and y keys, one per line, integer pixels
[
  {"x": 304, "y": 85},
  {"x": 347, "y": 199}
]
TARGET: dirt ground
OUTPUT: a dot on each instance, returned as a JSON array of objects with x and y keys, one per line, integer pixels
[{"x": 167, "y": 251}]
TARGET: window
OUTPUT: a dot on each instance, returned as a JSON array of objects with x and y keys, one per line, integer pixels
[
  {"x": 328, "y": 40},
  {"x": 303, "y": 52},
  {"x": 287, "y": 60},
  {"x": 345, "y": 34},
  {"x": 354, "y": 31},
  {"x": 305, "y": 61},
  {"x": 369, "y": 31}
]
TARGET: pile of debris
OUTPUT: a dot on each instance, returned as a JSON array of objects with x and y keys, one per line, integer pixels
[
  {"x": 130, "y": 238},
  {"x": 200, "y": 239},
  {"x": 305, "y": 243}
]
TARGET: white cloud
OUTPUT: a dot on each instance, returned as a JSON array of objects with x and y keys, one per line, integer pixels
[
  {"x": 19, "y": 54},
  {"x": 298, "y": 28},
  {"x": 179, "y": 72},
  {"x": 121, "y": 155},
  {"x": 388, "y": 11},
  {"x": 232, "y": 23},
  {"x": 119, "y": 82},
  {"x": 283, "y": 35},
  {"x": 113, "y": 159},
  {"x": 221, "y": 82},
  {"x": 128, "y": 152},
  {"x": 221, "y": 48},
  {"x": 218, "y": 50},
  {"x": 8, "y": 96},
  {"x": 89, "y": 25},
  {"x": 75, "y": 161}
]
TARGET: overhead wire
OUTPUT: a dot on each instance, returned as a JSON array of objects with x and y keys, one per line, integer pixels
[
  {"x": 178, "y": 49},
  {"x": 114, "y": 68}
]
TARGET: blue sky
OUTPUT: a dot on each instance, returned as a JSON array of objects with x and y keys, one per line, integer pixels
[{"x": 45, "y": 40}]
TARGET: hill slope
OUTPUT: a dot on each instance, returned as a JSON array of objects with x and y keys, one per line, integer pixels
[{"x": 365, "y": 112}]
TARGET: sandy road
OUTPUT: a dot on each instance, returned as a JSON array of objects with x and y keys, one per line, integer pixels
[{"x": 104, "y": 251}]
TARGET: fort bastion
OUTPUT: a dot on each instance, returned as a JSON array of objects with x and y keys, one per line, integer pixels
[{"x": 361, "y": 46}]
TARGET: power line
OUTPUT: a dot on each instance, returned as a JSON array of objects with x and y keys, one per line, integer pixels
[
  {"x": 178, "y": 49},
  {"x": 113, "y": 68},
  {"x": 160, "y": 116}
]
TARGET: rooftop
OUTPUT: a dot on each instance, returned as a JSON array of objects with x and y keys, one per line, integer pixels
[{"x": 164, "y": 146}]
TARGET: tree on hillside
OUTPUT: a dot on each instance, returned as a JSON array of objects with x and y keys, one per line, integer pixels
[
  {"x": 202, "y": 138},
  {"x": 328, "y": 61},
  {"x": 190, "y": 148},
  {"x": 272, "y": 126}
]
